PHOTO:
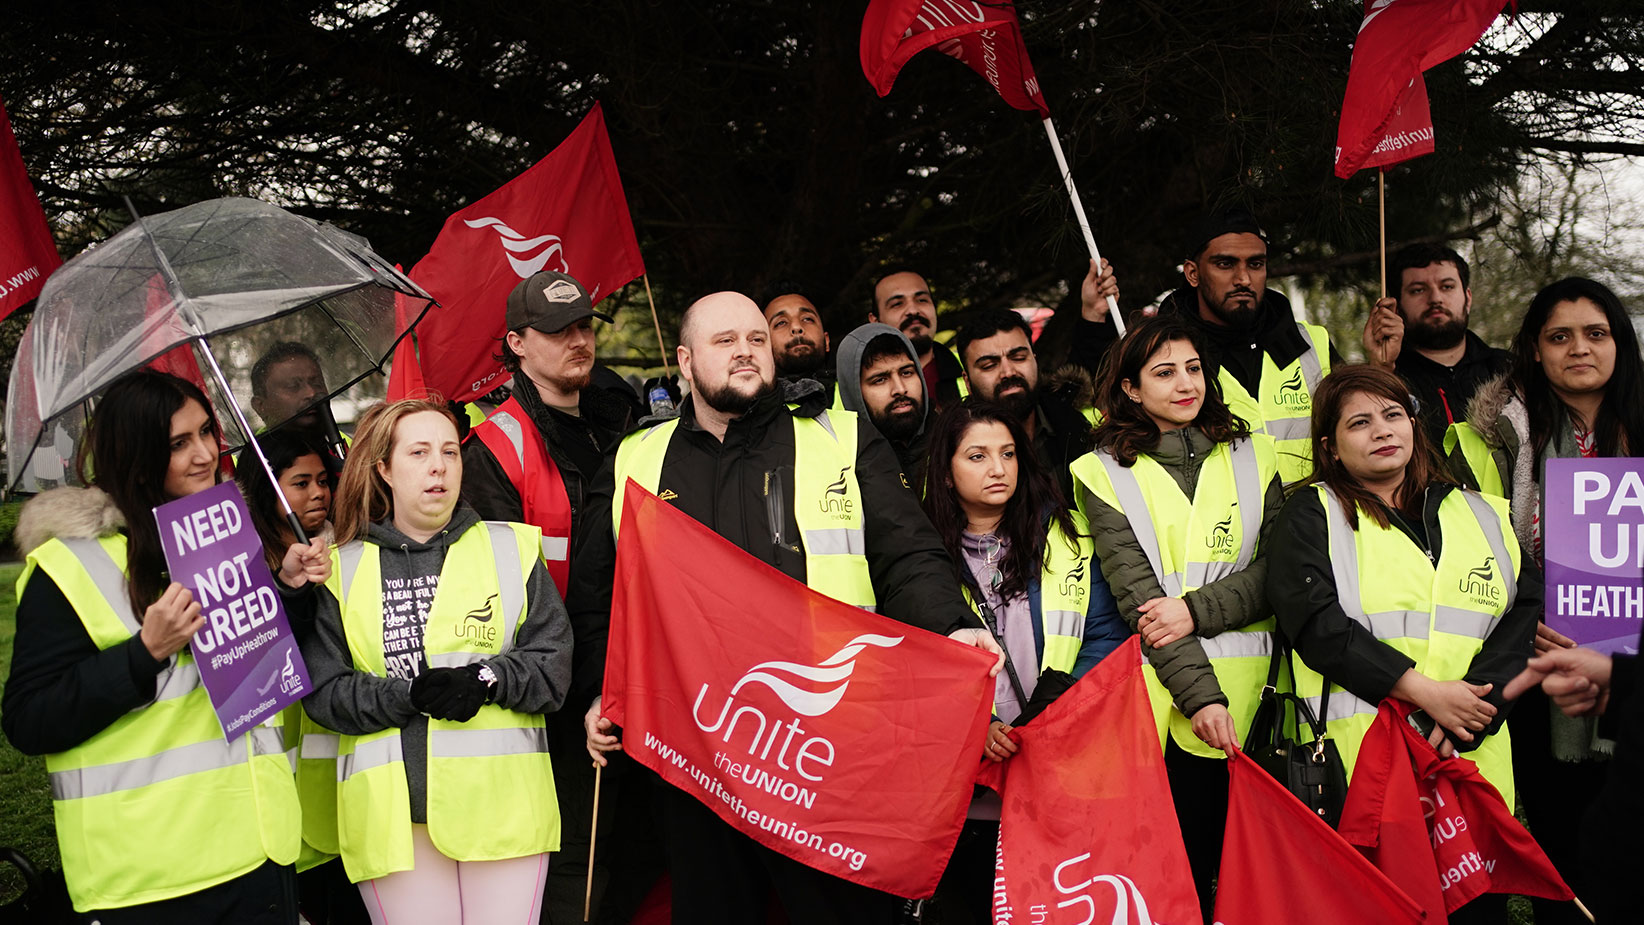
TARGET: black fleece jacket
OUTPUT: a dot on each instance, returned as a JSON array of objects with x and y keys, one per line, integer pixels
[
  {"x": 1443, "y": 392},
  {"x": 1239, "y": 349},
  {"x": 723, "y": 485},
  {"x": 1302, "y": 589}
]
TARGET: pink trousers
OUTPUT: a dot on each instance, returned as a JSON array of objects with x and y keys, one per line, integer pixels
[{"x": 440, "y": 891}]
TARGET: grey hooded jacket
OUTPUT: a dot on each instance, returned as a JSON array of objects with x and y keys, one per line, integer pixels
[{"x": 848, "y": 361}]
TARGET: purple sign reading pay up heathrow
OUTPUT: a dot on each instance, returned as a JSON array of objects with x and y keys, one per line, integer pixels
[
  {"x": 1593, "y": 534},
  {"x": 246, "y": 653}
]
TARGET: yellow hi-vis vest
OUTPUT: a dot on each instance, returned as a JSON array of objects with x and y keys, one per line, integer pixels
[
  {"x": 316, "y": 762},
  {"x": 1438, "y": 614},
  {"x": 158, "y": 805},
  {"x": 490, "y": 783},
  {"x": 827, "y": 501},
  {"x": 1463, "y": 439},
  {"x": 1284, "y": 409},
  {"x": 1191, "y": 543}
]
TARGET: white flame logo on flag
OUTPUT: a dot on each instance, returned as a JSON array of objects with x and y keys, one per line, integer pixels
[
  {"x": 552, "y": 248},
  {"x": 836, "y": 667}
]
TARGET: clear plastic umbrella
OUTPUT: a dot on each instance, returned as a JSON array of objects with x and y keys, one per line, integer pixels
[{"x": 205, "y": 292}]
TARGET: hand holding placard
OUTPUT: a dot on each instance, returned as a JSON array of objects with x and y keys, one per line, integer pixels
[{"x": 170, "y": 622}]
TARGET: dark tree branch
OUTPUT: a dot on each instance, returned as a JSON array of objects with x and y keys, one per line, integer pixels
[{"x": 1316, "y": 267}]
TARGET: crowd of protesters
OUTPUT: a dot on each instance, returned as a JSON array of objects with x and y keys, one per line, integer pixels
[{"x": 1218, "y": 480}]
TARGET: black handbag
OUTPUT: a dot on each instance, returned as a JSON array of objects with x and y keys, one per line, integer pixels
[
  {"x": 45, "y": 899},
  {"x": 1310, "y": 768}
]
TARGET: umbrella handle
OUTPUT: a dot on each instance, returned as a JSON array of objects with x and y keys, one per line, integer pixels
[{"x": 297, "y": 527}]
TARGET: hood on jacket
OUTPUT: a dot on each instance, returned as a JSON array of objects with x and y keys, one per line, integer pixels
[
  {"x": 385, "y": 534},
  {"x": 848, "y": 362},
  {"x": 66, "y": 513},
  {"x": 1072, "y": 384},
  {"x": 1490, "y": 403}
]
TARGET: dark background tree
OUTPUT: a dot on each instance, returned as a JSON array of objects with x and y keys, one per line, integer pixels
[{"x": 753, "y": 149}]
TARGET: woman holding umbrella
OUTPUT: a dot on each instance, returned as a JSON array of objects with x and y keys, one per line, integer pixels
[
  {"x": 436, "y": 652},
  {"x": 158, "y": 818}
]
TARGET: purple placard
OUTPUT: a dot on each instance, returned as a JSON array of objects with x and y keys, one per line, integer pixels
[
  {"x": 246, "y": 653},
  {"x": 1593, "y": 534}
]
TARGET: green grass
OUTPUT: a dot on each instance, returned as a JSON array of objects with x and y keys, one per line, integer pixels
[{"x": 25, "y": 798}]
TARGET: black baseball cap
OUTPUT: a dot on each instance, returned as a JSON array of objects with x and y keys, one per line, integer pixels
[
  {"x": 549, "y": 301},
  {"x": 1228, "y": 221}
]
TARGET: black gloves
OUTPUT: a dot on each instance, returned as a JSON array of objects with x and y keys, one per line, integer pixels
[{"x": 454, "y": 694}]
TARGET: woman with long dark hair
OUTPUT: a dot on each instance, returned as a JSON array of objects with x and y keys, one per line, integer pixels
[
  {"x": 1392, "y": 581},
  {"x": 1179, "y": 495},
  {"x": 1576, "y": 390},
  {"x": 159, "y": 819},
  {"x": 1024, "y": 562},
  {"x": 307, "y": 475},
  {"x": 439, "y": 643}
]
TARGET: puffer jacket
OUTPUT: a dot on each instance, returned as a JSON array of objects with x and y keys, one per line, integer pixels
[{"x": 1233, "y": 602}]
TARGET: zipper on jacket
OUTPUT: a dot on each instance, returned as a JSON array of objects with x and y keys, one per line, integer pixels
[{"x": 776, "y": 513}]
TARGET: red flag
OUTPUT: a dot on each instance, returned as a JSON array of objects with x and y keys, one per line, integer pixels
[
  {"x": 840, "y": 738},
  {"x": 1409, "y": 130},
  {"x": 1276, "y": 850},
  {"x": 566, "y": 213},
  {"x": 986, "y": 36},
  {"x": 1397, "y": 41},
  {"x": 1087, "y": 824},
  {"x": 27, "y": 253},
  {"x": 405, "y": 379},
  {"x": 1468, "y": 844}
]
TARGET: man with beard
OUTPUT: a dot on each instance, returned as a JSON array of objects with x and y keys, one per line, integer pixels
[
  {"x": 798, "y": 342},
  {"x": 996, "y": 346},
  {"x": 879, "y": 376},
  {"x": 739, "y": 431},
  {"x": 1269, "y": 362},
  {"x": 531, "y": 462},
  {"x": 1429, "y": 311},
  {"x": 902, "y": 299}
]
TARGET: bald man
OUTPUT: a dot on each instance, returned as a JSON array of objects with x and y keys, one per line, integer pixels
[{"x": 738, "y": 425}]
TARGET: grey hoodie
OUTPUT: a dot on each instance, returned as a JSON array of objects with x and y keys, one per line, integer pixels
[
  {"x": 848, "y": 361},
  {"x": 532, "y": 677}
]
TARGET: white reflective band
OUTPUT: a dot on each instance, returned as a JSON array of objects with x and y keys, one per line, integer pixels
[
  {"x": 348, "y": 564},
  {"x": 179, "y": 680},
  {"x": 320, "y": 744},
  {"x": 827, "y": 425},
  {"x": 1290, "y": 428},
  {"x": 510, "y": 579},
  {"x": 1491, "y": 525},
  {"x": 1134, "y": 506},
  {"x": 107, "y": 577},
  {"x": 1312, "y": 369},
  {"x": 1459, "y": 621},
  {"x": 556, "y": 548},
  {"x": 1248, "y": 488},
  {"x": 1064, "y": 623},
  {"x": 839, "y": 541},
  {"x": 1342, "y": 705},
  {"x": 212, "y": 755},
  {"x": 368, "y": 755},
  {"x": 1344, "y": 559},
  {"x": 1397, "y": 624},
  {"x": 484, "y": 743},
  {"x": 1238, "y": 645},
  {"x": 454, "y": 659},
  {"x": 511, "y": 429}
]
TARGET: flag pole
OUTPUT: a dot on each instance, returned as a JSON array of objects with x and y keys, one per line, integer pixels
[
  {"x": 1583, "y": 907},
  {"x": 1079, "y": 213},
  {"x": 593, "y": 833},
  {"x": 666, "y": 371},
  {"x": 1381, "y": 202}
]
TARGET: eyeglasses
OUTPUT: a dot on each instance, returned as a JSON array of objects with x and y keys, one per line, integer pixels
[{"x": 991, "y": 548}]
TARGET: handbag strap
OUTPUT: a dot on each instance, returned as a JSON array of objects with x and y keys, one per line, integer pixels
[
  {"x": 1281, "y": 655},
  {"x": 991, "y": 624}
]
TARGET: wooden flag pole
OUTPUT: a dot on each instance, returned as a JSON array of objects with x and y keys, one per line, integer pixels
[
  {"x": 593, "y": 833},
  {"x": 1381, "y": 202},
  {"x": 1079, "y": 213},
  {"x": 1582, "y": 906},
  {"x": 666, "y": 371}
]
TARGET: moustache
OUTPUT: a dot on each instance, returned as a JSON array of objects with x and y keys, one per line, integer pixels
[
  {"x": 1009, "y": 381},
  {"x": 799, "y": 341},
  {"x": 1241, "y": 290},
  {"x": 900, "y": 402},
  {"x": 912, "y": 318}
]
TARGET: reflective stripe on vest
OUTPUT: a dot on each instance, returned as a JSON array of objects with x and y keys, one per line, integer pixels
[
  {"x": 157, "y": 804},
  {"x": 1441, "y": 640},
  {"x": 826, "y": 498},
  {"x": 513, "y": 438},
  {"x": 1283, "y": 407}
]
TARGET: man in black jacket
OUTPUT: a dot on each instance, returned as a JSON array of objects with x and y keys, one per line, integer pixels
[
  {"x": 735, "y": 428},
  {"x": 1445, "y": 363}
]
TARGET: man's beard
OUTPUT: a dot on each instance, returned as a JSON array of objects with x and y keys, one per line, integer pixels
[
  {"x": 897, "y": 424},
  {"x": 922, "y": 342},
  {"x": 1019, "y": 404},
  {"x": 1424, "y": 335},
  {"x": 727, "y": 400},
  {"x": 800, "y": 365},
  {"x": 568, "y": 384},
  {"x": 1234, "y": 316}
]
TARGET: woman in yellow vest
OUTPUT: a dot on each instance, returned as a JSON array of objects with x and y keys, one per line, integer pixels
[
  {"x": 1392, "y": 581},
  {"x": 1179, "y": 495},
  {"x": 1576, "y": 390},
  {"x": 1024, "y": 562},
  {"x": 438, "y": 647},
  {"x": 159, "y": 819}
]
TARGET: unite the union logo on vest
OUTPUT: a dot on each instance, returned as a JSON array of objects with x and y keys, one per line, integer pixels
[
  {"x": 836, "y": 498},
  {"x": 1480, "y": 585},
  {"x": 1073, "y": 582},
  {"x": 1293, "y": 392},
  {"x": 476, "y": 625},
  {"x": 1221, "y": 536}
]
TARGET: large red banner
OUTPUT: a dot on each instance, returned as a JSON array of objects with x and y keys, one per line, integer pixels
[
  {"x": 27, "y": 253},
  {"x": 1435, "y": 826},
  {"x": 986, "y": 36},
  {"x": 566, "y": 213},
  {"x": 1397, "y": 40},
  {"x": 1088, "y": 832},
  {"x": 842, "y": 739}
]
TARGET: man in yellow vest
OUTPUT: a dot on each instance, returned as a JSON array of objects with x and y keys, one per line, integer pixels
[
  {"x": 736, "y": 434},
  {"x": 1269, "y": 361}
]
